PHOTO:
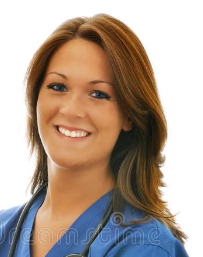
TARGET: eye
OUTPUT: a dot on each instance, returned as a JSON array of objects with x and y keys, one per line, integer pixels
[
  {"x": 57, "y": 87},
  {"x": 102, "y": 93}
]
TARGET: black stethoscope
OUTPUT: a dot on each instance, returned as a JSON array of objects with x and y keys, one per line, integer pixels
[{"x": 25, "y": 212}]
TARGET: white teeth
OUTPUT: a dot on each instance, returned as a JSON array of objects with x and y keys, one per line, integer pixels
[
  {"x": 72, "y": 133},
  {"x": 66, "y": 132}
]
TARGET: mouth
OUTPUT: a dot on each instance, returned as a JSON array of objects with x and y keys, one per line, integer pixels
[{"x": 73, "y": 135}]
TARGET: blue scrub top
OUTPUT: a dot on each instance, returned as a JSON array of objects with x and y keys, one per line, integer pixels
[{"x": 151, "y": 239}]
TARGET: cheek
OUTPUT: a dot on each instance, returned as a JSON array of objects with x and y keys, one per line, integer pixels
[
  {"x": 44, "y": 109},
  {"x": 109, "y": 122},
  {"x": 44, "y": 113},
  {"x": 41, "y": 111},
  {"x": 114, "y": 117}
]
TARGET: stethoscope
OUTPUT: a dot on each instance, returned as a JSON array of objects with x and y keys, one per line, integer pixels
[{"x": 26, "y": 210}]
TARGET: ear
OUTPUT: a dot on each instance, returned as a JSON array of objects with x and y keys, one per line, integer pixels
[{"x": 128, "y": 124}]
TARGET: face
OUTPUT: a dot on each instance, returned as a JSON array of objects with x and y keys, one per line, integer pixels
[{"x": 77, "y": 93}]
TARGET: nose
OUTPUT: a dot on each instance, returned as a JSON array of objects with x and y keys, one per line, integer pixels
[{"x": 73, "y": 106}]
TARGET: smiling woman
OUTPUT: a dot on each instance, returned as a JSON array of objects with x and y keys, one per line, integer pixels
[
  {"x": 82, "y": 66},
  {"x": 97, "y": 127}
]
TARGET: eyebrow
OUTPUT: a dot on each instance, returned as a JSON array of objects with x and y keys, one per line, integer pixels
[{"x": 91, "y": 82}]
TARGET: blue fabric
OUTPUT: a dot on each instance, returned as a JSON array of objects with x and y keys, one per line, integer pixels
[{"x": 151, "y": 239}]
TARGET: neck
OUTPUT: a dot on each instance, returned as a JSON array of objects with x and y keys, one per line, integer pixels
[{"x": 72, "y": 192}]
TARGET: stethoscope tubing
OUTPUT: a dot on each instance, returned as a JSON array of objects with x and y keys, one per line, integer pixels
[
  {"x": 21, "y": 220},
  {"x": 24, "y": 213}
]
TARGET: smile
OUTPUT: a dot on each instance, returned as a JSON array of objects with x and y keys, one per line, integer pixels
[{"x": 72, "y": 134}]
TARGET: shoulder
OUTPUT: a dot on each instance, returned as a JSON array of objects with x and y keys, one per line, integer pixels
[
  {"x": 160, "y": 239},
  {"x": 8, "y": 221},
  {"x": 11, "y": 214},
  {"x": 149, "y": 239},
  {"x": 152, "y": 238}
]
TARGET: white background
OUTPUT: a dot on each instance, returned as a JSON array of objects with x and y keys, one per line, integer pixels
[{"x": 171, "y": 32}]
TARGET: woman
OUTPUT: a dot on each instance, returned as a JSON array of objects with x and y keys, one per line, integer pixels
[{"x": 98, "y": 129}]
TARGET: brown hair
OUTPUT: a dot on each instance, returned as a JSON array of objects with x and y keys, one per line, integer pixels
[{"x": 136, "y": 158}]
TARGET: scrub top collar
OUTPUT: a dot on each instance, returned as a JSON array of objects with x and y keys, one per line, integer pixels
[{"x": 75, "y": 238}]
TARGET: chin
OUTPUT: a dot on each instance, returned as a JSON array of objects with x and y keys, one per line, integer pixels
[{"x": 65, "y": 163}]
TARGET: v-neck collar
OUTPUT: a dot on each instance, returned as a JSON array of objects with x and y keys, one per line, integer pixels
[{"x": 75, "y": 238}]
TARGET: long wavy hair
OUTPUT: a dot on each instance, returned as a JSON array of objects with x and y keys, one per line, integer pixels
[{"x": 137, "y": 156}]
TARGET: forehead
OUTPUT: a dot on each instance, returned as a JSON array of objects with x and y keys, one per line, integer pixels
[{"x": 82, "y": 54}]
